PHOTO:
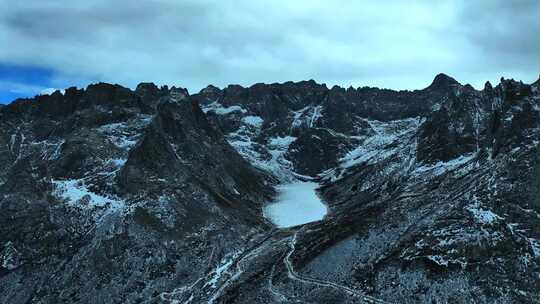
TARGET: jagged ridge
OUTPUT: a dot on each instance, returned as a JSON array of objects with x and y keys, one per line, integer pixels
[{"x": 155, "y": 195}]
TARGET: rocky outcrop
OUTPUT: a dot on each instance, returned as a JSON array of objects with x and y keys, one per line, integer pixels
[
  {"x": 317, "y": 150},
  {"x": 182, "y": 153},
  {"x": 150, "y": 95}
]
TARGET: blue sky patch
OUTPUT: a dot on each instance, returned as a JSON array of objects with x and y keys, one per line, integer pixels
[{"x": 23, "y": 81}]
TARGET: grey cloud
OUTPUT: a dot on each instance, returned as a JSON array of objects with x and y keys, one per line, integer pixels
[
  {"x": 89, "y": 23},
  {"x": 505, "y": 32},
  {"x": 399, "y": 44}
]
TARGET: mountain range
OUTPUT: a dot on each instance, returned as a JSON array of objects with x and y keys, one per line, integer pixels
[{"x": 155, "y": 195}]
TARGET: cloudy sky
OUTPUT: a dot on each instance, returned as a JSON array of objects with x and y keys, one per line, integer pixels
[{"x": 392, "y": 44}]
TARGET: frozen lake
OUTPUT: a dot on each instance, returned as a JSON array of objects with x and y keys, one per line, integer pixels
[{"x": 297, "y": 203}]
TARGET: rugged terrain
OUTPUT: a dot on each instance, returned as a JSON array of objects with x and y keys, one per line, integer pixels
[{"x": 153, "y": 195}]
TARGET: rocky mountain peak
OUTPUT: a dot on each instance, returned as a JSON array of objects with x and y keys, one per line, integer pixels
[
  {"x": 178, "y": 94},
  {"x": 488, "y": 87},
  {"x": 443, "y": 82},
  {"x": 537, "y": 82},
  {"x": 210, "y": 89},
  {"x": 468, "y": 88},
  {"x": 146, "y": 87},
  {"x": 150, "y": 94}
]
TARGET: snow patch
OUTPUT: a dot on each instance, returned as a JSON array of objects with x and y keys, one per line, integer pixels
[
  {"x": 10, "y": 257},
  {"x": 307, "y": 116},
  {"x": 118, "y": 162},
  {"x": 438, "y": 259},
  {"x": 277, "y": 148},
  {"x": 125, "y": 135},
  {"x": 76, "y": 194},
  {"x": 221, "y": 109},
  {"x": 383, "y": 144},
  {"x": 255, "y": 121},
  {"x": 481, "y": 215},
  {"x": 223, "y": 266},
  {"x": 57, "y": 151},
  {"x": 442, "y": 167},
  {"x": 281, "y": 142},
  {"x": 315, "y": 116},
  {"x": 535, "y": 245},
  {"x": 124, "y": 143}
]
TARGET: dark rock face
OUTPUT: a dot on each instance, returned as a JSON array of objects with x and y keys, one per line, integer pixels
[
  {"x": 150, "y": 95},
  {"x": 317, "y": 150},
  {"x": 450, "y": 130},
  {"x": 181, "y": 147},
  {"x": 444, "y": 82},
  {"x": 156, "y": 196}
]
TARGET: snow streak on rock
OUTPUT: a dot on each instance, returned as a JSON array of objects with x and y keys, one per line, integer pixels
[{"x": 221, "y": 109}]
